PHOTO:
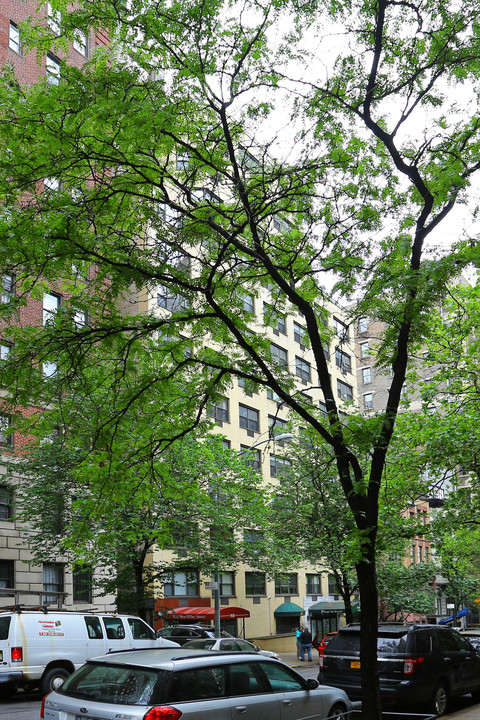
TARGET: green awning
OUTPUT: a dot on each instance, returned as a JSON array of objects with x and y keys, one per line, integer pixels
[
  {"x": 288, "y": 609},
  {"x": 324, "y": 607}
]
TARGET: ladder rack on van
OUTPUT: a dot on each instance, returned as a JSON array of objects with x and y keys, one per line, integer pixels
[{"x": 44, "y": 599}]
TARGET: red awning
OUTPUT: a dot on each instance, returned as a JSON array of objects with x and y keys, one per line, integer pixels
[{"x": 208, "y": 613}]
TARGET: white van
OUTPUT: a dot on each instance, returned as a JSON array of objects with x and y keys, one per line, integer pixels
[{"x": 41, "y": 649}]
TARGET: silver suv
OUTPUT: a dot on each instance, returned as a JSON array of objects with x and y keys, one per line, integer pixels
[{"x": 166, "y": 684}]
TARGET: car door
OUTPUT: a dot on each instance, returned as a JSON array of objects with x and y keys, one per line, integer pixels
[
  {"x": 470, "y": 664},
  {"x": 200, "y": 693},
  {"x": 115, "y": 632},
  {"x": 142, "y": 634},
  {"x": 296, "y": 702},
  {"x": 251, "y": 696},
  {"x": 452, "y": 660}
]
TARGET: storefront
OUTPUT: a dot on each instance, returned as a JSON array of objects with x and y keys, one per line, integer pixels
[{"x": 287, "y": 617}]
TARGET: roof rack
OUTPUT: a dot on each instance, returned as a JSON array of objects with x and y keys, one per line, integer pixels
[{"x": 52, "y": 600}]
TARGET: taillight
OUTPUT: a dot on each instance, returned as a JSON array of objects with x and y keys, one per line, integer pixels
[
  {"x": 17, "y": 654},
  {"x": 411, "y": 664},
  {"x": 162, "y": 712}
]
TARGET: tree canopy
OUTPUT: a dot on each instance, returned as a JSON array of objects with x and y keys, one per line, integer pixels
[{"x": 226, "y": 146}]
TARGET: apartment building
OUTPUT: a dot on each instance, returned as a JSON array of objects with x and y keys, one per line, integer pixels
[
  {"x": 71, "y": 587},
  {"x": 257, "y": 423}
]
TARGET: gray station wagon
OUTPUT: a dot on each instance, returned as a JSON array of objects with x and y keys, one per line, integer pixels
[{"x": 168, "y": 684}]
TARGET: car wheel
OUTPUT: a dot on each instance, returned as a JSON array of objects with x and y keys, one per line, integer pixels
[
  {"x": 52, "y": 679},
  {"x": 339, "y": 711},
  {"x": 439, "y": 701}
]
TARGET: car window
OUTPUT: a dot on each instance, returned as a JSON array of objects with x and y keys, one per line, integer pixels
[
  {"x": 345, "y": 642},
  {"x": 114, "y": 684},
  {"x": 228, "y": 645},
  {"x": 423, "y": 642},
  {"x": 114, "y": 628},
  {"x": 197, "y": 684},
  {"x": 4, "y": 627},
  {"x": 447, "y": 641},
  {"x": 462, "y": 643},
  {"x": 245, "y": 646},
  {"x": 281, "y": 679},
  {"x": 392, "y": 644},
  {"x": 140, "y": 630},
  {"x": 246, "y": 679},
  {"x": 179, "y": 632},
  {"x": 94, "y": 629}
]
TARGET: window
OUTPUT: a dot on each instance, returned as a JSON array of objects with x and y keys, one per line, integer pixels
[
  {"x": 182, "y": 582},
  {"x": 302, "y": 369},
  {"x": 252, "y": 458},
  {"x": 249, "y": 419},
  {"x": 6, "y": 502},
  {"x": 280, "y": 224},
  {"x": 80, "y": 42},
  {"x": 183, "y": 534},
  {"x": 366, "y": 375},
  {"x": 278, "y": 465},
  {"x": 314, "y": 584},
  {"x": 52, "y": 581},
  {"x": 364, "y": 349},
  {"x": 287, "y": 584},
  {"x": 368, "y": 401},
  {"x": 183, "y": 159},
  {"x": 80, "y": 319},
  {"x": 7, "y": 573},
  {"x": 51, "y": 305},
  {"x": 277, "y": 426},
  {"x": 82, "y": 584},
  {"x": 363, "y": 325},
  {"x": 254, "y": 541},
  {"x": 14, "y": 42},
  {"x": 54, "y": 19},
  {"x": 274, "y": 319},
  {"x": 219, "y": 411},
  {"x": 172, "y": 302},
  {"x": 323, "y": 408},
  {"x": 299, "y": 334},
  {"x": 343, "y": 360},
  {"x": 279, "y": 355},
  {"x": 6, "y": 435},
  {"x": 248, "y": 302},
  {"x": 4, "y": 350},
  {"x": 140, "y": 630},
  {"x": 344, "y": 391},
  {"x": 7, "y": 287},
  {"x": 114, "y": 628},
  {"x": 341, "y": 329},
  {"x": 227, "y": 584},
  {"x": 255, "y": 583},
  {"x": 53, "y": 70},
  {"x": 272, "y": 395},
  {"x": 332, "y": 585},
  {"x": 242, "y": 384}
]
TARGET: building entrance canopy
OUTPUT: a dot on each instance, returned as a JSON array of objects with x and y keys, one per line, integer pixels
[{"x": 207, "y": 613}]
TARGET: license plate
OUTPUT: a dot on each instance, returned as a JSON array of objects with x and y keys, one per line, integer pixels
[
  {"x": 82, "y": 717},
  {"x": 354, "y": 664}
]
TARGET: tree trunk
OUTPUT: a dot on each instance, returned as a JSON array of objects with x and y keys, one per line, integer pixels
[{"x": 366, "y": 573}]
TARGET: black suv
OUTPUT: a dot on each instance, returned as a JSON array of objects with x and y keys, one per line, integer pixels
[
  {"x": 421, "y": 665},
  {"x": 183, "y": 633}
]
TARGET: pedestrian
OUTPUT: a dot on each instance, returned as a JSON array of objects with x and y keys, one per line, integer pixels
[
  {"x": 305, "y": 644},
  {"x": 299, "y": 631}
]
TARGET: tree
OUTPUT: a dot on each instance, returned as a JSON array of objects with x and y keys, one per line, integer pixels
[
  {"x": 111, "y": 506},
  {"x": 405, "y": 591},
  {"x": 186, "y": 128}
]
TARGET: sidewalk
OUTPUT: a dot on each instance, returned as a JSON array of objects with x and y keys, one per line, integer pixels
[{"x": 468, "y": 713}]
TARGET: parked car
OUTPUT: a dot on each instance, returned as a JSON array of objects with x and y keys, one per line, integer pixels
[
  {"x": 421, "y": 665},
  {"x": 229, "y": 644},
  {"x": 43, "y": 647},
  {"x": 184, "y": 633},
  {"x": 321, "y": 640},
  {"x": 168, "y": 684},
  {"x": 472, "y": 635}
]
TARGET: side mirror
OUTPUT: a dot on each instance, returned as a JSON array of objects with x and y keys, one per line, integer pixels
[
  {"x": 257, "y": 649},
  {"x": 312, "y": 684}
]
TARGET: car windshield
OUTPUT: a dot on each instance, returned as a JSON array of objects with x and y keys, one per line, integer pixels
[{"x": 118, "y": 684}]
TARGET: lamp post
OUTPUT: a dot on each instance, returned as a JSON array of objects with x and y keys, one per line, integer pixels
[{"x": 215, "y": 584}]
